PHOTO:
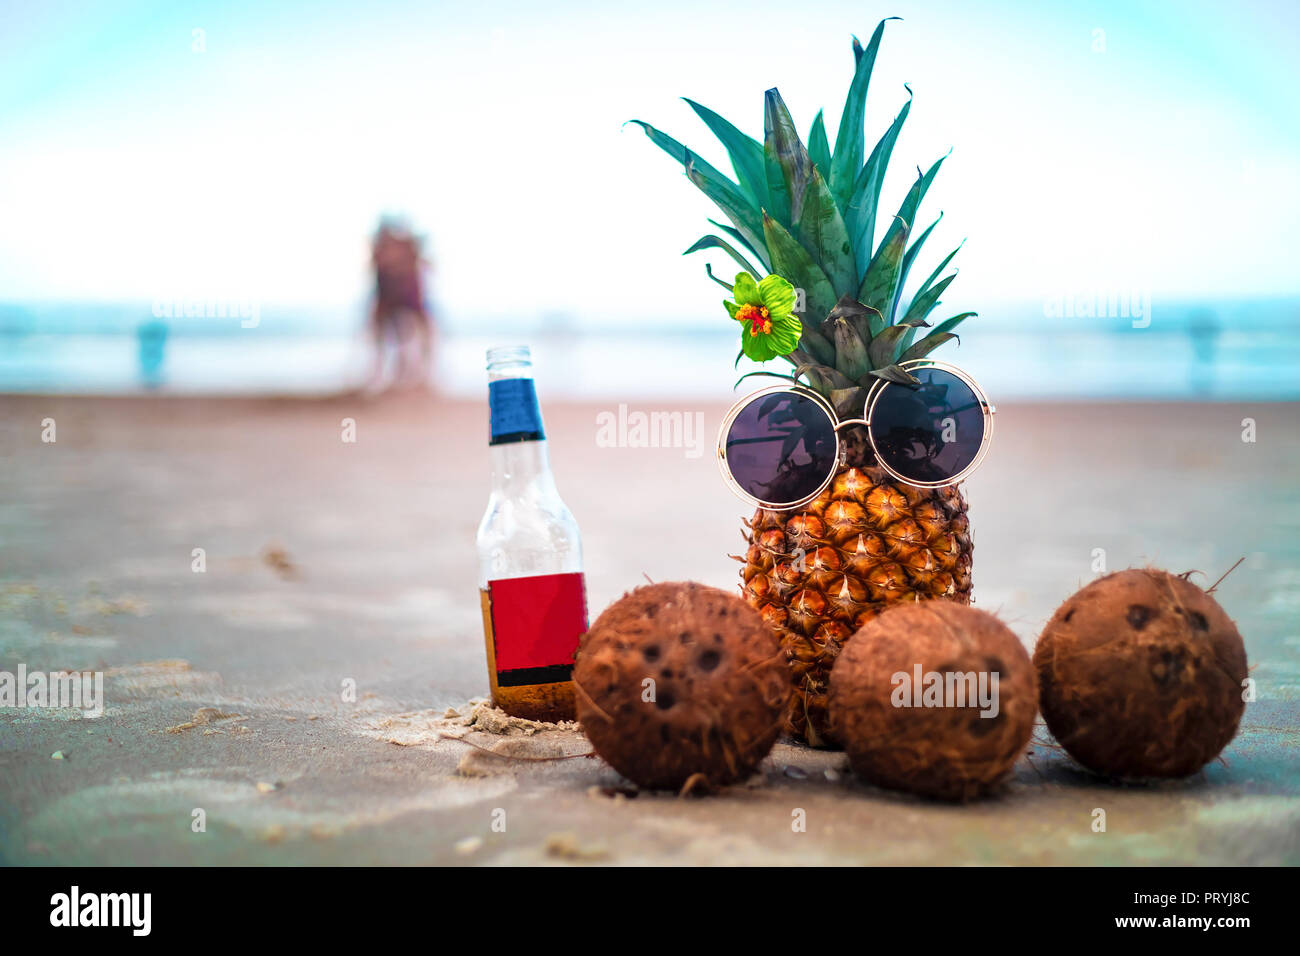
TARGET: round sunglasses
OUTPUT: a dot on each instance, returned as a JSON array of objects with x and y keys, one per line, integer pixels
[{"x": 780, "y": 447}]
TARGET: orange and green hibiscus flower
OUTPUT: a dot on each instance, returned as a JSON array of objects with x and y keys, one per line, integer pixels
[{"x": 764, "y": 309}]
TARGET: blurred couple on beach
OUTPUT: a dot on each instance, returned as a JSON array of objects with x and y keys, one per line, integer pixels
[{"x": 400, "y": 324}]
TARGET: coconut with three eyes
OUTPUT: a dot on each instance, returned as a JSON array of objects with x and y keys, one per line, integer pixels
[
  {"x": 1142, "y": 674},
  {"x": 933, "y": 698},
  {"x": 680, "y": 682}
]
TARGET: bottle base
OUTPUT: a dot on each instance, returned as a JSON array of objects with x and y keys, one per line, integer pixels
[{"x": 550, "y": 703}]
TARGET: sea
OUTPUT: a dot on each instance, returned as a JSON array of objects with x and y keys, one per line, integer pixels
[{"x": 1199, "y": 350}]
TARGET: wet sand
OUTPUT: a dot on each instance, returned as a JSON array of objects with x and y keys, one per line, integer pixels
[{"x": 330, "y": 561}]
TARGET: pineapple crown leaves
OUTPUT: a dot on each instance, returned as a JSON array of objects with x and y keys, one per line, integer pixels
[{"x": 808, "y": 213}]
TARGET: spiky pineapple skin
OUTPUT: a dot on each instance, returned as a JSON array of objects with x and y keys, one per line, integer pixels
[{"x": 818, "y": 573}]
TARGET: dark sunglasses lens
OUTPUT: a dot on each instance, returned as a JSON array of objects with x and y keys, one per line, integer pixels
[
  {"x": 781, "y": 448},
  {"x": 931, "y": 433}
]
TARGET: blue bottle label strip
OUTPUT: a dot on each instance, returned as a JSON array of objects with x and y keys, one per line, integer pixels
[{"x": 515, "y": 414}]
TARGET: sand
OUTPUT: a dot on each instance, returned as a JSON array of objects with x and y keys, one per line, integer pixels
[{"x": 335, "y": 619}]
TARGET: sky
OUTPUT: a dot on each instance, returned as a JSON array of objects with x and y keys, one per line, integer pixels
[{"x": 1114, "y": 146}]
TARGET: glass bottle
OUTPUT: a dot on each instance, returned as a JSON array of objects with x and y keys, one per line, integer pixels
[{"x": 532, "y": 589}]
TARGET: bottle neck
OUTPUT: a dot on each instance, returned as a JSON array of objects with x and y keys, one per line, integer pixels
[
  {"x": 515, "y": 416},
  {"x": 521, "y": 467}
]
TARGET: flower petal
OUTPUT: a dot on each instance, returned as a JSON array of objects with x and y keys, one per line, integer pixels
[
  {"x": 756, "y": 347},
  {"x": 746, "y": 290},
  {"x": 785, "y": 335},
  {"x": 777, "y": 295}
]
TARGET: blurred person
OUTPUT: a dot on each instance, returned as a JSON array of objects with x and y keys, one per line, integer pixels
[
  {"x": 1203, "y": 329},
  {"x": 152, "y": 341},
  {"x": 400, "y": 323}
]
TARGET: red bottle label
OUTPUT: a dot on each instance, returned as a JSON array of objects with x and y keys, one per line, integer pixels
[{"x": 536, "y": 623}]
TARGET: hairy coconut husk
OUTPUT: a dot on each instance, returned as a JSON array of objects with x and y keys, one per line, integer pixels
[
  {"x": 948, "y": 752},
  {"x": 1141, "y": 675},
  {"x": 719, "y": 690}
]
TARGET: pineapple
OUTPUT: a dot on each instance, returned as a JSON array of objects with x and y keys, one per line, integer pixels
[{"x": 809, "y": 214}]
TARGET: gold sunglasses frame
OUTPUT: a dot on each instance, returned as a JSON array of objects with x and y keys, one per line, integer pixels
[{"x": 873, "y": 396}]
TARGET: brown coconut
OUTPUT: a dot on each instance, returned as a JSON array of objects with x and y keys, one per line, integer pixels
[
  {"x": 719, "y": 688},
  {"x": 950, "y": 752},
  {"x": 1141, "y": 675}
]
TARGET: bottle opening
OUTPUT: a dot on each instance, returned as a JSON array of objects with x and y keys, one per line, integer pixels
[{"x": 509, "y": 359}]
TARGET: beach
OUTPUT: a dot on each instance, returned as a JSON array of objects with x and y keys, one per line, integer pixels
[{"x": 285, "y": 616}]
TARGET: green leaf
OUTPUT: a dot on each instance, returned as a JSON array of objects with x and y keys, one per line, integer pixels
[
  {"x": 731, "y": 199},
  {"x": 859, "y": 316},
  {"x": 848, "y": 307},
  {"x": 940, "y": 267},
  {"x": 884, "y": 347},
  {"x": 850, "y": 351},
  {"x": 712, "y": 182},
  {"x": 833, "y": 378},
  {"x": 861, "y": 214},
  {"x": 925, "y": 286},
  {"x": 792, "y": 261},
  {"x": 913, "y": 251},
  {"x": 821, "y": 231},
  {"x": 900, "y": 376},
  {"x": 881, "y": 280},
  {"x": 787, "y": 162},
  {"x": 819, "y": 148},
  {"x": 912, "y": 202},
  {"x": 817, "y": 345},
  {"x": 947, "y": 325},
  {"x": 848, "y": 402},
  {"x": 912, "y": 325},
  {"x": 800, "y": 356},
  {"x": 709, "y": 269},
  {"x": 805, "y": 364},
  {"x": 788, "y": 378},
  {"x": 923, "y": 304},
  {"x": 746, "y": 153},
  {"x": 713, "y": 242},
  {"x": 847, "y": 158},
  {"x": 760, "y": 253},
  {"x": 926, "y": 346},
  {"x": 728, "y": 198},
  {"x": 907, "y": 212}
]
